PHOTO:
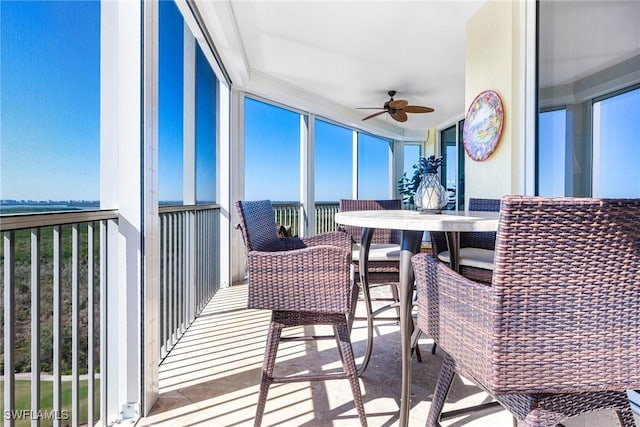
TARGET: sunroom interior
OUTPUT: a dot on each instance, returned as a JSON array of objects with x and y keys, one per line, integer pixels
[{"x": 197, "y": 104}]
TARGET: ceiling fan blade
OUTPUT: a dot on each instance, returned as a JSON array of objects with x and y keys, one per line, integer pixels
[
  {"x": 417, "y": 109},
  {"x": 400, "y": 116},
  {"x": 398, "y": 103},
  {"x": 374, "y": 115}
]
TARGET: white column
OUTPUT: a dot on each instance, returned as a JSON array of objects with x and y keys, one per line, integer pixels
[
  {"x": 189, "y": 156},
  {"x": 528, "y": 92},
  {"x": 150, "y": 319},
  {"x": 224, "y": 182},
  {"x": 354, "y": 169},
  {"x": 307, "y": 142},
  {"x": 121, "y": 188},
  {"x": 397, "y": 169},
  {"x": 238, "y": 261},
  {"x": 189, "y": 119}
]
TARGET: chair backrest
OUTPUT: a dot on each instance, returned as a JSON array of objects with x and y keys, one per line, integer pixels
[
  {"x": 484, "y": 205},
  {"x": 258, "y": 225},
  {"x": 380, "y": 235},
  {"x": 567, "y": 278},
  {"x": 484, "y": 240}
]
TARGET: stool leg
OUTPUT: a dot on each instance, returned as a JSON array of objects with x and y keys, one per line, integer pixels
[
  {"x": 341, "y": 332},
  {"x": 442, "y": 390},
  {"x": 366, "y": 296},
  {"x": 355, "y": 294},
  {"x": 396, "y": 297},
  {"x": 271, "y": 349}
]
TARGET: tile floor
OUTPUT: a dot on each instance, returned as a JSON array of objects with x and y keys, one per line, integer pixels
[{"x": 211, "y": 378}]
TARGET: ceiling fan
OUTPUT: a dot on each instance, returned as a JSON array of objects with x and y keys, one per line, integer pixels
[{"x": 397, "y": 108}]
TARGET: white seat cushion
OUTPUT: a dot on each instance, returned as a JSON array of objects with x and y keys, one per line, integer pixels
[
  {"x": 472, "y": 257},
  {"x": 378, "y": 252}
]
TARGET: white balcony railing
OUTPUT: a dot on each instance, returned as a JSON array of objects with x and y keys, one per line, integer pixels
[
  {"x": 54, "y": 287},
  {"x": 53, "y": 271},
  {"x": 288, "y": 213},
  {"x": 189, "y": 267}
]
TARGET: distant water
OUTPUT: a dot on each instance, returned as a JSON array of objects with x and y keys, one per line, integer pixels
[{"x": 10, "y": 208}]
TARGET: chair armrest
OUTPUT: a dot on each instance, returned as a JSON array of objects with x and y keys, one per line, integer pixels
[
  {"x": 458, "y": 313},
  {"x": 334, "y": 238},
  {"x": 315, "y": 279}
]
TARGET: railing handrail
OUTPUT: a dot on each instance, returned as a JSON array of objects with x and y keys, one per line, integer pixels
[
  {"x": 184, "y": 208},
  {"x": 44, "y": 219},
  {"x": 286, "y": 203},
  {"x": 296, "y": 204}
]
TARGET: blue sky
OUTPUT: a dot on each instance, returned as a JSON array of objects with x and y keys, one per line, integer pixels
[
  {"x": 272, "y": 158},
  {"x": 552, "y": 149},
  {"x": 334, "y": 162},
  {"x": 50, "y": 132},
  {"x": 170, "y": 94},
  {"x": 50, "y": 121},
  {"x": 619, "y": 151},
  {"x": 619, "y": 119}
]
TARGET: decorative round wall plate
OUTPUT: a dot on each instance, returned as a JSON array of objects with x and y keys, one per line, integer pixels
[{"x": 483, "y": 125}]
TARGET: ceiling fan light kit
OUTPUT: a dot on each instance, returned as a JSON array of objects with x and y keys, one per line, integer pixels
[{"x": 397, "y": 109}]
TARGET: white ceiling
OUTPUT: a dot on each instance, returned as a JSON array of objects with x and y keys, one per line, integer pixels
[
  {"x": 330, "y": 57},
  {"x": 353, "y": 52}
]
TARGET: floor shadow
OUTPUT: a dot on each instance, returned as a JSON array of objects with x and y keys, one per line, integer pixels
[{"x": 218, "y": 384}]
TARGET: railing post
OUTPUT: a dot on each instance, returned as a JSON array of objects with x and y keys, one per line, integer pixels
[
  {"x": 35, "y": 324},
  {"x": 105, "y": 376},
  {"x": 57, "y": 325},
  {"x": 75, "y": 328},
  {"x": 90, "y": 325},
  {"x": 9, "y": 325}
]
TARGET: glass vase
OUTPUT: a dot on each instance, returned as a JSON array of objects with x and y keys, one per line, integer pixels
[{"x": 430, "y": 196}]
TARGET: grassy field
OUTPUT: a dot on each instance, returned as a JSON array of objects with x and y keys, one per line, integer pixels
[{"x": 23, "y": 400}]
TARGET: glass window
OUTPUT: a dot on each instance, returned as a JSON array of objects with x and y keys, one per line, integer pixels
[
  {"x": 449, "y": 169},
  {"x": 411, "y": 154},
  {"x": 586, "y": 56},
  {"x": 373, "y": 167},
  {"x": 50, "y": 104},
  {"x": 271, "y": 152},
  {"x": 616, "y": 145},
  {"x": 206, "y": 118},
  {"x": 459, "y": 192},
  {"x": 170, "y": 105},
  {"x": 333, "y": 162},
  {"x": 551, "y": 152}
]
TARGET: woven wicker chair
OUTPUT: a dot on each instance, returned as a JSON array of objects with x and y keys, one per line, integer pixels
[
  {"x": 383, "y": 266},
  {"x": 304, "y": 281},
  {"x": 384, "y": 257},
  {"x": 556, "y": 333},
  {"x": 476, "y": 249}
]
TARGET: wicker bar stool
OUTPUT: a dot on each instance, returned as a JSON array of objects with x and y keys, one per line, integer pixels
[
  {"x": 304, "y": 281},
  {"x": 383, "y": 267},
  {"x": 476, "y": 249},
  {"x": 556, "y": 333}
]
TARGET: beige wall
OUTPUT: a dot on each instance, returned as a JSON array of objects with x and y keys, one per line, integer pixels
[
  {"x": 430, "y": 142},
  {"x": 493, "y": 63}
]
